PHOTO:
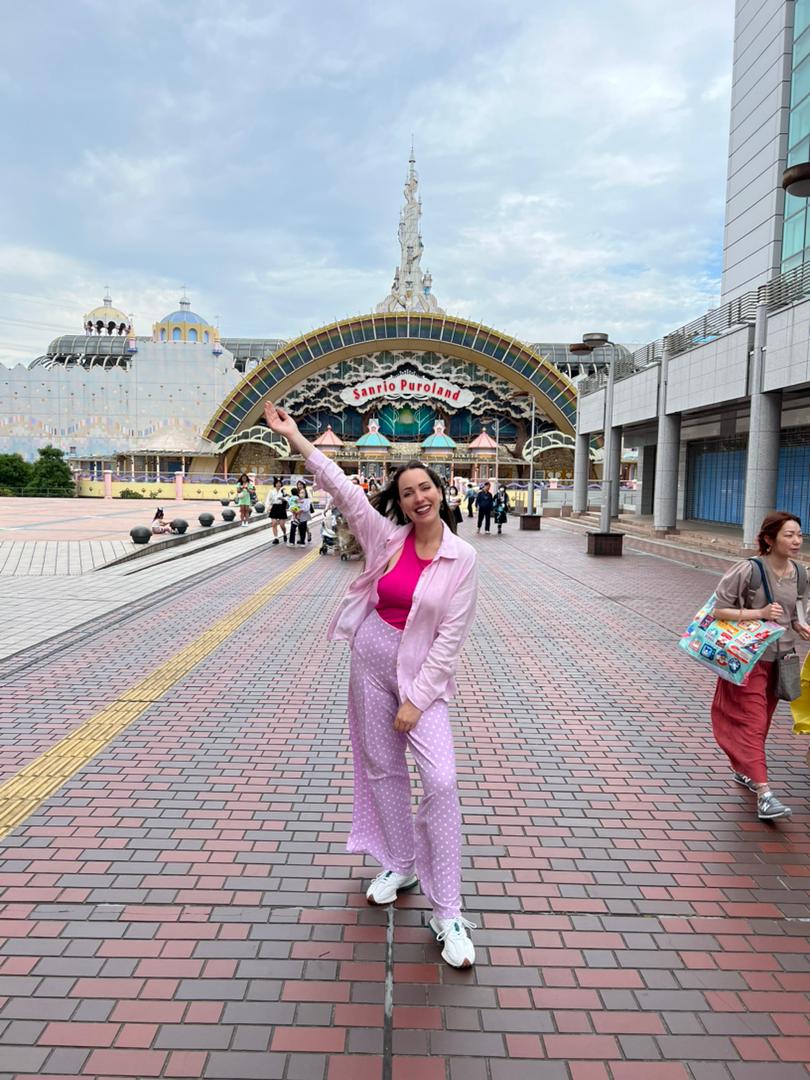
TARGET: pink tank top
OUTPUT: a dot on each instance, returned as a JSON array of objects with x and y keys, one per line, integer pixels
[{"x": 396, "y": 588}]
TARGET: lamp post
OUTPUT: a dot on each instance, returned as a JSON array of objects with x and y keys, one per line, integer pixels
[
  {"x": 604, "y": 542},
  {"x": 530, "y": 492},
  {"x": 497, "y": 447}
]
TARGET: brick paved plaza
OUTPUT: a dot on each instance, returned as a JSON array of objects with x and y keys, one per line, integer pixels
[{"x": 181, "y": 905}]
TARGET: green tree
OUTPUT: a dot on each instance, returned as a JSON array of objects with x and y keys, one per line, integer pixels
[
  {"x": 15, "y": 472},
  {"x": 50, "y": 474}
]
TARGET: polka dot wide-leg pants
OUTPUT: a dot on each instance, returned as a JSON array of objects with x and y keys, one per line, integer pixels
[{"x": 382, "y": 823}]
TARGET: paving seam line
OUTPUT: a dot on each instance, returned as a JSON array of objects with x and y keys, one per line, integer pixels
[
  {"x": 388, "y": 998},
  {"x": 22, "y": 793},
  {"x": 86, "y": 631},
  {"x": 52, "y": 909}
]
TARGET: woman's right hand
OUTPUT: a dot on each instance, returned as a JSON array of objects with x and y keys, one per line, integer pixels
[
  {"x": 280, "y": 421},
  {"x": 772, "y": 612}
]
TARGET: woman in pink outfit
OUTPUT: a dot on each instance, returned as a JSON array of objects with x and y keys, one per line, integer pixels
[{"x": 406, "y": 617}]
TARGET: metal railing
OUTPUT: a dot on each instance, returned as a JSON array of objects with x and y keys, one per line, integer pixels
[{"x": 784, "y": 290}]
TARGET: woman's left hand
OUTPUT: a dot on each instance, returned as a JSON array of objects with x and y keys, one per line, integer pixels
[
  {"x": 803, "y": 630},
  {"x": 408, "y": 716}
]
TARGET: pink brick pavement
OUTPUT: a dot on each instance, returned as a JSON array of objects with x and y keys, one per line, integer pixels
[
  {"x": 186, "y": 903},
  {"x": 28, "y": 520}
]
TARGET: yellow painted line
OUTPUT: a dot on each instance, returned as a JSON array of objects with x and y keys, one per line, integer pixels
[{"x": 32, "y": 785}]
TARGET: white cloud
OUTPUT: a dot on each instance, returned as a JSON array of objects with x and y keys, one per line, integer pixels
[{"x": 572, "y": 161}]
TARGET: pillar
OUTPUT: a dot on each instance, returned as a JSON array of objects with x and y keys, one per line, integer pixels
[
  {"x": 762, "y": 459},
  {"x": 615, "y": 470},
  {"x": 647, "y": 477},
  {"x": 667, "y": 456},
  {"x": 178, "y": 487},
  {"x": 582, "y": 452},
  {"x": 108, "y": 484}
]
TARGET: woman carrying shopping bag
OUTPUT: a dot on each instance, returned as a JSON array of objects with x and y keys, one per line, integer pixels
[
  {"x": 406, "y": 617},
  {"x": 764, "y": 588}
]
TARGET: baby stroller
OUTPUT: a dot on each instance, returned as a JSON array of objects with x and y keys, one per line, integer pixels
[
  {"x": 328, "y": 533},
  {"x": 347, "y": 543}
]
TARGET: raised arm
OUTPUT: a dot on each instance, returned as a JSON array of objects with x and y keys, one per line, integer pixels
[{"x": 366, "y": 523}]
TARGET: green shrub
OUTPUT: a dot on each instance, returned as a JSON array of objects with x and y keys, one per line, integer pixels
[
  {"x": 6, "y": 492},
  {"x": 50, "y": 474},
  {"x": 129, "y": 493},
  {"x": 15, "y": 472}
]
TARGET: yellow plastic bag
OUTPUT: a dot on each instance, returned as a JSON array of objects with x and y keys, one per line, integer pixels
[{"x": 801, "y": 706}]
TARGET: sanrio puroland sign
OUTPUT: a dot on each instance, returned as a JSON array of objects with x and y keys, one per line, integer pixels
[{"x": 407, "y": 384}]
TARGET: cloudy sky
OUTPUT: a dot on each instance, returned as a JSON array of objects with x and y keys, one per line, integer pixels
[{"x": 571, "y": 159}]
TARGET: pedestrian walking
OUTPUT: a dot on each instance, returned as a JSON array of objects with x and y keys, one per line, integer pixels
[
  {"x": 454, "y": 502},
  {"x": 470, "y": 497},
  {"x": 764, "y": 588},
  {"x": 405, "y": 617},
  {"x": 501, "y": 507},
  {"x": 244, "y": 488},
  {"x": 278, "y": 510},
  {"x": 484, "y": 501},
  {"x": 304, "y": 513}
]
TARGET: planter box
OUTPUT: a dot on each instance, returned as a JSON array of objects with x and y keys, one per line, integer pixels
[
  {"x": 530, "y": 522},
  {"x": 601, "y": 543}
]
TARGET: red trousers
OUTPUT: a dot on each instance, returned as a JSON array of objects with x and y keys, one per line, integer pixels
[{"x": 741, "y": 719}]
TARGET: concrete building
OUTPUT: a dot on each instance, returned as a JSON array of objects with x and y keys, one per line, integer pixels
[{"x": 720, "y": 408}]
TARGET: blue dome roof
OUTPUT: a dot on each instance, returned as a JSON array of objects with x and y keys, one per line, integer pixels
[
  {"x": 373, "y": 438},
  {"x": 184, "y": 316},
  {"x": 439, "y": 442}
]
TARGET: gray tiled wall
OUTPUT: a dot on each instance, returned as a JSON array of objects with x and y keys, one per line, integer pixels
[{"x": 760, "y": 102}]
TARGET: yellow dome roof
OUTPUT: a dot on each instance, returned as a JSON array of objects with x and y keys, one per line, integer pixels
[{"x": 106, "y": 313}]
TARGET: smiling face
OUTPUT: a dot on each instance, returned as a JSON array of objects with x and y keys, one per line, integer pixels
[
  {"x": 419, "y": 498},
  {"x": 788, "y": 542}
]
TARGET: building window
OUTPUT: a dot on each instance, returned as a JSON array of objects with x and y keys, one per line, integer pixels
[
  {"x": 795, "y": 248},
  {"x": 801, "y": 17},
  {"x": 177, "y": 334},
  {"x": 793, "y": 239},
  {"x": 163, "y": 335},
  {"x": 192, "y": 335},
  {"x": 205, "y": 336}
]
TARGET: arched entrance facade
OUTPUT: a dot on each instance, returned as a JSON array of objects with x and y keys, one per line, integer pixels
[{"x": 525, "y": 370}]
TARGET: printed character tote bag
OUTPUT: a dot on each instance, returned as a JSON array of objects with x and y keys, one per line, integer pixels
[{"x": 728, "y": 649}]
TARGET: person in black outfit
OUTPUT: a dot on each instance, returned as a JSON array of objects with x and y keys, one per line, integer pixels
[
  {"x": 484, "y": 501},
  {"x": 501, "y": 507}
]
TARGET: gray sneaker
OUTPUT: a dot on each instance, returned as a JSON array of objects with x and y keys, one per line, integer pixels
[
  {"x": 769, "y": 808},
  {"x": 746, "y": 781}
]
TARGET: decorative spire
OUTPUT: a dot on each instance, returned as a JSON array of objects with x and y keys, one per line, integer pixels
[
  {"x": 185, "y": 303},
  {"x": 411, "y": 290}
]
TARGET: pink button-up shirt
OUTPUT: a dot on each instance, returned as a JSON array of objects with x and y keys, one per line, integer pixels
[{"x": 443, "y": 605}]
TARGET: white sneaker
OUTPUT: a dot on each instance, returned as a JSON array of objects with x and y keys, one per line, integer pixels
[
  {"x": 385, "y": 886},
  {"x": 458, "y": 951}
]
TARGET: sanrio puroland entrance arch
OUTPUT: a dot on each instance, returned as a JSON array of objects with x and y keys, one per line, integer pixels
[{"x": 512, "y": 360}]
